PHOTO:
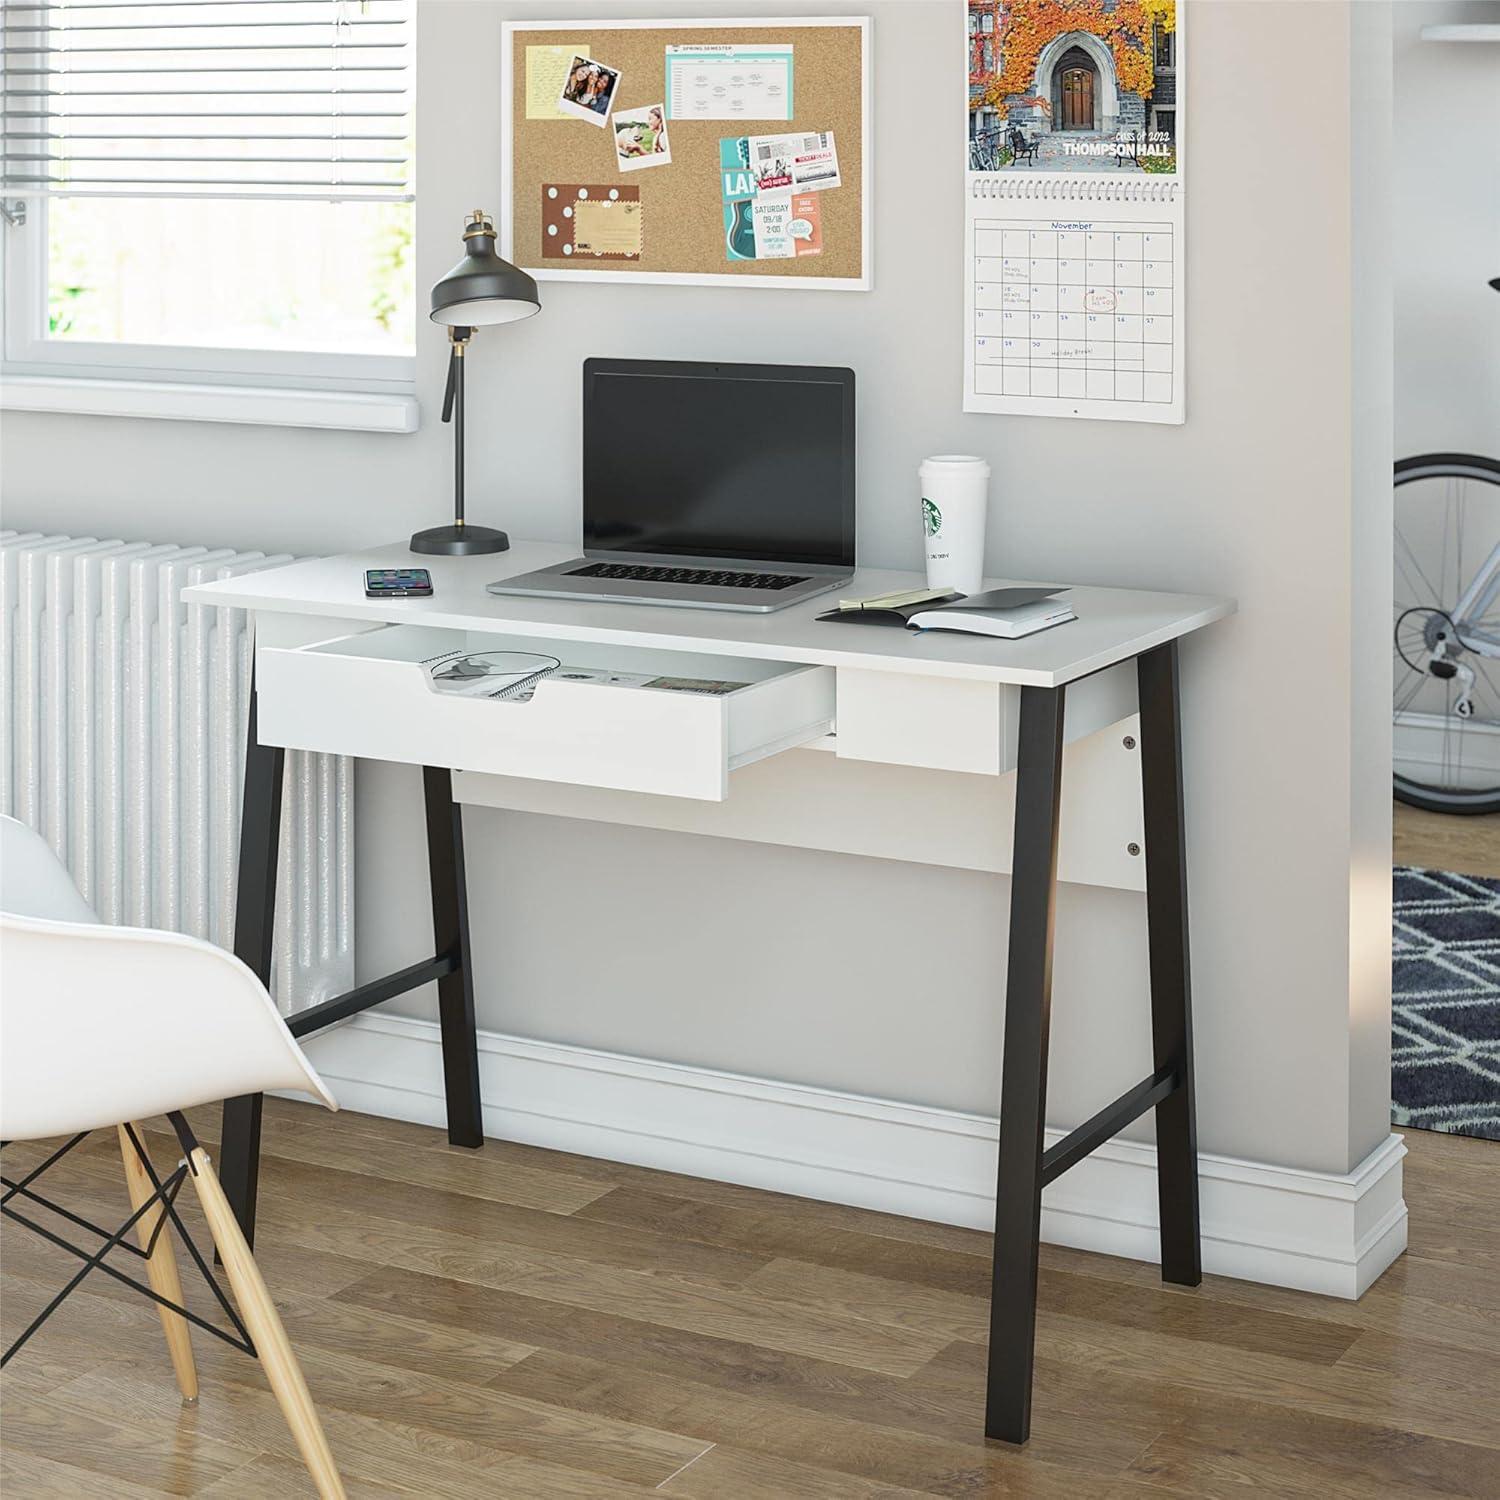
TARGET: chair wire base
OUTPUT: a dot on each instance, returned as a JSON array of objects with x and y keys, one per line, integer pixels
[{"x": 164, "y": 1192}]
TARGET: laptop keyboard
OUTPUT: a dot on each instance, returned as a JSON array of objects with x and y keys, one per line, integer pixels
[{"x": 708, "y": 577}]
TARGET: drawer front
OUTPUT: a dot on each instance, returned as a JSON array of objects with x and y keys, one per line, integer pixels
[
  {"x": 347, "y": 698},
  {"x": 937, "y": 723}
]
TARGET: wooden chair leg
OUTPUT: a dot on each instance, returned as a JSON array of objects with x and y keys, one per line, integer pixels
[
  {"x": 264, "y": 1323},
  {"x": 161, "y": 1266}
]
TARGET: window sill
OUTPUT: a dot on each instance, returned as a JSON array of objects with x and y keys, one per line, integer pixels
[{"x": 350, "y": 411}]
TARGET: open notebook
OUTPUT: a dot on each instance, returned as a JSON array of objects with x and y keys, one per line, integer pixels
[{"x": 1008, "y": 613}]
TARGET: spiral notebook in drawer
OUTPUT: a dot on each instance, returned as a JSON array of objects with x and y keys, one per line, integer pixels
[{"x": 1074, "y": 288}]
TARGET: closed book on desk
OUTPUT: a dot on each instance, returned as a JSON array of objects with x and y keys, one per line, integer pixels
[{"x": 979, "y": 614}]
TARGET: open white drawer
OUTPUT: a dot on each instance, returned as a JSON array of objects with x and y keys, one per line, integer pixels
[{"x": 368, "y": 695}]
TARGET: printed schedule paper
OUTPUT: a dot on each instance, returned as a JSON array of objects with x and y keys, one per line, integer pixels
[
  {"x": 1074, "y": 290},
  {"x": 730, "y": 82}
]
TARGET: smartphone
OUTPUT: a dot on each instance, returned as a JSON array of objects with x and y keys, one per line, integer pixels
[{"x": 398, "y": 583}]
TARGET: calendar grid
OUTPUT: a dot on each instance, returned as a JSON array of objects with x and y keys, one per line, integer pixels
[{"x": 1079, "y": 310}]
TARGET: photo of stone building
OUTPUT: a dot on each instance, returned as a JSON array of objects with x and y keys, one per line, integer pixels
[{"x": 1073, "y": 85}]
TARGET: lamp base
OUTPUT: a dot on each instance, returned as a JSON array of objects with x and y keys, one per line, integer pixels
[{"x": 460, "y": 541}]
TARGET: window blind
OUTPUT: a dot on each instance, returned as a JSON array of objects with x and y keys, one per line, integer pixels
[{"x": 208, "y": 98}]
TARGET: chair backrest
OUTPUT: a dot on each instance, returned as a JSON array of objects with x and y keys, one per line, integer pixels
[
  {"x": 33, "y": 880},
  {"x": 102, "y": 1024}
]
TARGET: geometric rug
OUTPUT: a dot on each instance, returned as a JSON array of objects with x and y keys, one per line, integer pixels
[{"x": 1445, "y": 1003}]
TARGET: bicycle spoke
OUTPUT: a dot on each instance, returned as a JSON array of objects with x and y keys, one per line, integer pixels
[
  {"x": 1461, "y": 575},
  {"x": 1447, "y": 532},
  {"x": 1433, "y": 594},
  {"x": 1447, "y": 734},
  {"x": 1416, "y": 688},
  {"x": 1413, "y": 594}
]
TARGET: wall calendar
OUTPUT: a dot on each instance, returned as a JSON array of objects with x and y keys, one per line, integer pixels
[{"x": 1073, "y": 209}]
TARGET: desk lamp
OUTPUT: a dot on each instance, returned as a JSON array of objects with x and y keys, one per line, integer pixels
[{"x": 479, "y": 291}]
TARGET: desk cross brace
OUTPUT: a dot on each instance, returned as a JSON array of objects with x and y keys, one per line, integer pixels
[
  {"x": 1109, "y": 1122},
  {"x": 318, "y": 1017}
]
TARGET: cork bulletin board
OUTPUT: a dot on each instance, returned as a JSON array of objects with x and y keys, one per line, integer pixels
[{"x": 689, "y": 152}]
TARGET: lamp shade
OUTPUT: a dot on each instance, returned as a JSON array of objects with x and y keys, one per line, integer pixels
[{"x": 482, "y": 289}]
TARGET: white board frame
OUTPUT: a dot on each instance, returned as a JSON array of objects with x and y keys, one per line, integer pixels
[{"x": 864, "y": 282}]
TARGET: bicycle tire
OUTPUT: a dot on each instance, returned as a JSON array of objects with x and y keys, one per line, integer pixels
[
  {"x": 1448, "y": 466},
  {"x": 1406, "y": 790}
]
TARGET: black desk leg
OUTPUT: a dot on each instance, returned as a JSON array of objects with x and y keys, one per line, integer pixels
[
  {"x": 254, "y": 923},
  {"x": 1167, "y": 935},
  {"x": 1023, "y": 1090},
  {"x": 450, "y": 931}
]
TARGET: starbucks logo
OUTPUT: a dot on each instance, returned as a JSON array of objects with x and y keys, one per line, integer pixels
[{"x": 932, "y": 517}]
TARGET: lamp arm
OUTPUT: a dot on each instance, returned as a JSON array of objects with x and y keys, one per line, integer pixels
[
  {"x": 453, "y": 411},
  {"x": 448, "y": 393},
  {"x": 458, "y": 433}
]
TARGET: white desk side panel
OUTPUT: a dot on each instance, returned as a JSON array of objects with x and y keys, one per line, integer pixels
[{"x": 808, "y": 799}]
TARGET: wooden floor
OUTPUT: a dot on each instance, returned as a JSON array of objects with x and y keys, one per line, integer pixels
[
  {"x": 519, "y": 1323},
  {"x": 1439, "y": 841}
]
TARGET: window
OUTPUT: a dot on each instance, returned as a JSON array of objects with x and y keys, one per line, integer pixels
[
  {"x": 1165, "y": 47},
  {"x": 213, "y": 191}
]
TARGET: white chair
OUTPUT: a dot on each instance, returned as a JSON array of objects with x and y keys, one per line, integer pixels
[{"x": 104, "y": 1026}]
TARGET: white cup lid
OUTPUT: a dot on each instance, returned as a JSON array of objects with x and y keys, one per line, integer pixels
[{"x": 956, "y": 461}]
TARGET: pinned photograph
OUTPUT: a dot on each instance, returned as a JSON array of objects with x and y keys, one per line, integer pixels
[
  {"x": 641, "y": 138},
  {"x": 589, "y": 90}
]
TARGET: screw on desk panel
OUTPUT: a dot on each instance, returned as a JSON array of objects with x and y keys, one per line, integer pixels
[
  {"x": 1130, "y": 742},
  {"x": 1132, "y": 849}
]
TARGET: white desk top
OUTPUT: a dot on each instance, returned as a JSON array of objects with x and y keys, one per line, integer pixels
[{"x": 1112, "y": 625}]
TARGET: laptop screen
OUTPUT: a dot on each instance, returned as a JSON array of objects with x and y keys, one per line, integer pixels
[{"x": 715, "y": 460}]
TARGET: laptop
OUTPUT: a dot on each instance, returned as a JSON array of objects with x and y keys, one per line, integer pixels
[{"x": 710, "y": 486}]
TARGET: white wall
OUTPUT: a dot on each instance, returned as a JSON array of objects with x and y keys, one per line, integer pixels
[
  {"x": 825, "y": 969},
  {"x": 1447, "y": 232}
]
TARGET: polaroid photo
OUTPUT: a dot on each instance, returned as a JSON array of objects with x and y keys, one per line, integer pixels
[
  {"x": 641, "y": 138},
  {"x": 589, "y": 90}
]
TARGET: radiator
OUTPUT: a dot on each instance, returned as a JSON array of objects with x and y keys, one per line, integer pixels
[{"x": 122, "y": 742}]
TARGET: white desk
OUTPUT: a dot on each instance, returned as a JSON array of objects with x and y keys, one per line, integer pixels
[{"x": 338, "y": 672}]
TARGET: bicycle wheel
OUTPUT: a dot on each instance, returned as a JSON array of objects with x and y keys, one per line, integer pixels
[{"x": 1446, "y": 720}]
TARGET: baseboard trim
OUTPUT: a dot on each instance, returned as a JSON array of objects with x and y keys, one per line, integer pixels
[{"x": 1318, "y": 1232}]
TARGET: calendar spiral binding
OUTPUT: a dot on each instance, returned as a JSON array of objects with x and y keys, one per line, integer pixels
[{"x": 1071, "y": 189}]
